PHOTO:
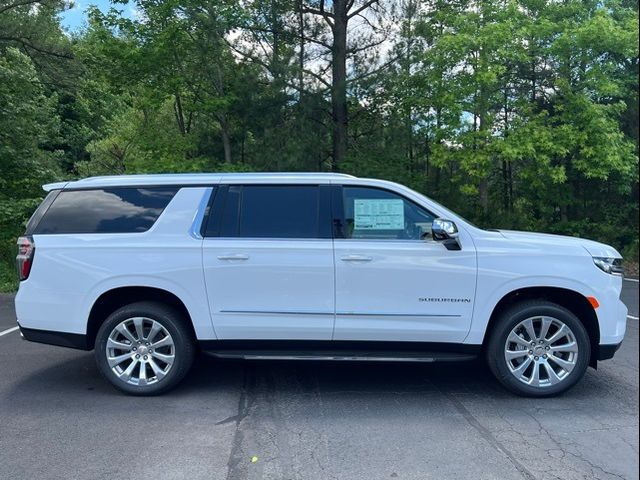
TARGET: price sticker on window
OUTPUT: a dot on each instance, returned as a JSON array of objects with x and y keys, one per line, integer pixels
[{"x": 377, "y": 214}]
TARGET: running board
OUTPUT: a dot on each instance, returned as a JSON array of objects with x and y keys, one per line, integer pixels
[
  {"x": 341, "y": 350},
  {"x": 385, "y": 356}
]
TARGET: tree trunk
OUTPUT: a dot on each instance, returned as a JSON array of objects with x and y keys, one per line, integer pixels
[
  {"x": 506, "y": 164},
  {"x": 406, "y": 67},
  {"x": 339, "y": 83},
  {"x": 301, "y": 52},
  {"x": 510, "y": 177},
  {"x": 226, "y": 144},
  {"x": 225, "y": 136},
  {"x": 483, "y": 186},
  {"x": 505, "y": 188},
  {"x": 427, "y": 157},
  {"x": 177, "y": 108},
  {"x": 244, "y": 138}
]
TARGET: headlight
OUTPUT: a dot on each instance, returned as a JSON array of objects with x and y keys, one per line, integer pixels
[{"x": 609, "y": 265}]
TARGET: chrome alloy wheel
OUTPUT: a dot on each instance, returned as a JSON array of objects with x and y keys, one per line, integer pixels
[
  {"x": 140, "y": 351},
  {"x": 541, "y": 351}
]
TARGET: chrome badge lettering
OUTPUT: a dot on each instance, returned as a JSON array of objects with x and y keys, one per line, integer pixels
[{"x": 444, "y": 300}]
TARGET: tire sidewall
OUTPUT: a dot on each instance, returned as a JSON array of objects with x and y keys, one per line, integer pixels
[
  {"x": 169, "y": 319},
  {"x": 509, "y": 320}
]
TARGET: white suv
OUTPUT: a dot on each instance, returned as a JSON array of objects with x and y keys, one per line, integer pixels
[{"x": 148, "y": 269}]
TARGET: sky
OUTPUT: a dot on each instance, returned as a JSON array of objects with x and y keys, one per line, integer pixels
[{"x": 76, "y": 17}]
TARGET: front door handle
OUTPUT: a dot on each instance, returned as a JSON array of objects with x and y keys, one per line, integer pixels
[
  {"x": 234, "y": 256},
  {"x": 356, "y": 258}
]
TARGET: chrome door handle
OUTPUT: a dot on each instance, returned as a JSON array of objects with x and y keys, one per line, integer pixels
[
  {"x": 236, "y": 256},
  {"x": 355, "y": 258}
]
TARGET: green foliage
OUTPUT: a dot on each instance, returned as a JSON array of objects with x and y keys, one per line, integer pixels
[
  {"x": 516, "y": 113},
  {"x": 8, "y": 282},
  {"x": 27, "y": 124}
]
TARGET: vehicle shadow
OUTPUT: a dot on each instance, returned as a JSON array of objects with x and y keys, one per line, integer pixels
[{"x": 77, "y": 377}]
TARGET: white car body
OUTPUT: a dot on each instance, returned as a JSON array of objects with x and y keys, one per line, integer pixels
[{"x": 325, "y": 289}]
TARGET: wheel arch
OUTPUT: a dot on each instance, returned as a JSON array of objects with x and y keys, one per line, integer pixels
[
  {"x": 573, "y": 301},
  {"x": 110, "y": 300}
]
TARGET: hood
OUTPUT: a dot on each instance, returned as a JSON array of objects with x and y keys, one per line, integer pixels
[{"x": 595, "y": 249}]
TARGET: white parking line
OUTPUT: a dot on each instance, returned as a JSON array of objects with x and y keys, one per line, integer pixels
[
  {"x": 632, "y": 317},
  {"x": 9, "y": 330},
  {"x": 632, "y": 280}
]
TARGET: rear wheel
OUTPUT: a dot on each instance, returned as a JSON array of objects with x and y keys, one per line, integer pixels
[
  {"x": 144, "y": 348},
  {"x": 538, "y": 349}
]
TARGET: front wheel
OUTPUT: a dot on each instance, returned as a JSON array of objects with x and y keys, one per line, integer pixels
[
  {"x": 144, "y": 348},
  {"x": 538, "y": 349}
]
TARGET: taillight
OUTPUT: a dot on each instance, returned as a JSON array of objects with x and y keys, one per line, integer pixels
[{"x": 24, "y": 259}]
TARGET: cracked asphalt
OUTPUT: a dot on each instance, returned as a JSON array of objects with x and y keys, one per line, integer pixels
[{"x": 311, "y": 420}]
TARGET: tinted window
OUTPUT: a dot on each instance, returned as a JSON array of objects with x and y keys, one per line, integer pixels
[
  {"x": 372, "y": 213},
  {"x": 229, "y": 221},
  {"x": 111, "y": 210},
  {"x": 40, "y": 211},
  {"x": 258, "y": 211}
]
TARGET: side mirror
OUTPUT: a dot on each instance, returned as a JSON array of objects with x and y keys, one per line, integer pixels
[
  {"x": 445, "y": 231},
  {"x": 442, "y": 229}
]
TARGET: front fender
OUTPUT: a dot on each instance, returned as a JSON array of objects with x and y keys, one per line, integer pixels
[{"x": 485, "y": 305}]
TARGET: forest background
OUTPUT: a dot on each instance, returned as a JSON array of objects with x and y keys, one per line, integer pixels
[{"x": 519, "y": 114}]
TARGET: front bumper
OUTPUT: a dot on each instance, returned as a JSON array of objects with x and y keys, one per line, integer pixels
[{"x": 605, "y": 352}]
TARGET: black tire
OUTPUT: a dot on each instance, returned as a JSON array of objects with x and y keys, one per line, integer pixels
[
  {"x": 495, "y": 350},
  {"x": 174, "y": 323}
]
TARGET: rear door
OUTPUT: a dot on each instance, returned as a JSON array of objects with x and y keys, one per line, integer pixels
[
  {"x": 268, "y": 262},
  {"x": 393, "y": 282}
]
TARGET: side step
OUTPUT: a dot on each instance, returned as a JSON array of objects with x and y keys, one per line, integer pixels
[
  {"x": 336, "y": 356},
  {"x": 385, "y": 356},
  {"x": 340, "y": 350}
]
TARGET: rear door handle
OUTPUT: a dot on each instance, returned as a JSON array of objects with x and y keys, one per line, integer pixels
[
  {"x": 355, "y": 258},
  {"x": 234, "y": 256}
]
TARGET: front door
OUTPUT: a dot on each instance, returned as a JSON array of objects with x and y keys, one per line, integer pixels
[
  {"x": 268, "y": 262},
  {"x": 394, "y": 283}
]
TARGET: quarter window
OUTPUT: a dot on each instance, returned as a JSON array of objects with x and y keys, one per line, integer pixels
[
  {"x": 109, "y": 210},
  {"x": 373, "y": 213}
]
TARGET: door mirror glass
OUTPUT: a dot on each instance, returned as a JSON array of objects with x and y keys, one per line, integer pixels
[{"x": 442, "y": 229}]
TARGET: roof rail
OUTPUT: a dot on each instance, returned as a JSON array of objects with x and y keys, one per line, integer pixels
[
  {"x": 283, "y": 174},
  {"x": 184, "y": 178}
]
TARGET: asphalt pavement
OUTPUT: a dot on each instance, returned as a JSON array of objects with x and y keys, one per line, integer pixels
[{"x": 311, "y": 420}]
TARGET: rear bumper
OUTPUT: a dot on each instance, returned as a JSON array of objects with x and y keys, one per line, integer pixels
[
  {"x": 61, "y": 339},
  {"x": 605, "y": 352}
]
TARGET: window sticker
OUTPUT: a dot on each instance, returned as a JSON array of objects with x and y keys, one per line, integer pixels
[{"x": 377, "y": 214}]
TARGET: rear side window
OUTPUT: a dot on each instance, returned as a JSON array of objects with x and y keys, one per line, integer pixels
[
  {"x": 279, "y": 212},
  {"x": 270, "y": 211},
  {"x": 109, "y": 210}
]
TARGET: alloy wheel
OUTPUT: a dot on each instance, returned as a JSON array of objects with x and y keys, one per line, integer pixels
[
  {"x": 140, "y": 351},
  {"x": 541, "y": 351}
]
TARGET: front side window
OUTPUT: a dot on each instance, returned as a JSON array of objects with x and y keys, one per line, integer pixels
[
  {"x": 271, "y": 211},
  {"x": 108, "y": 210},
  {"x": 373, "y": 213}
]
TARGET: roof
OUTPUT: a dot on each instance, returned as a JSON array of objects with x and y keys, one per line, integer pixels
[{"x": 194, "y": 179}]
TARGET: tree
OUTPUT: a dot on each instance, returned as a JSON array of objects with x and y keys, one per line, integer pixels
[
  {"x": 27, "y": 122},
  {"x": 516, "y": 113},
  {"x": 32, "y": 27},
  {"x": 342, "y": 47}
]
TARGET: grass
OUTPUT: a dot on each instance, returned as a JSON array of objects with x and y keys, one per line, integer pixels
[
  {"x": 8, "y": 281},
  {"x": 631, "y": 269}
]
